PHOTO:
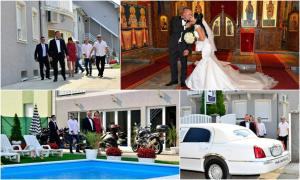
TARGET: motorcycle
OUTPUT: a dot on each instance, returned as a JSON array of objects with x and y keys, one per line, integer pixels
[
  {"x": 146, "y": 139},
  {"x": 113, "y": 137},
  {"x": 65, "y": 139}
]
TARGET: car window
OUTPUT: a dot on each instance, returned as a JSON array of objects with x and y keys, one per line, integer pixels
[
  {"x": 197, "y": 135},
  {"x": 243, "y": 133}
]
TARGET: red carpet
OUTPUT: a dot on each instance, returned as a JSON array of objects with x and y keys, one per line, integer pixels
[
  {"x": 139, "y": 75},
  {"x": 272, "y": 66}
]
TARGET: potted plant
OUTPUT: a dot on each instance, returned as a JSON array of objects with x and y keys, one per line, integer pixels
[
  {"x": 172, "y": 138},
  {"x": 146, "y": 155},
  {"x": 93, "y": 140},
  {"x": 113, "y": 153}
]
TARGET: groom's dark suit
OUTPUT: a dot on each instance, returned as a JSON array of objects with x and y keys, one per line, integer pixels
[{"x": 176, "y": 48}]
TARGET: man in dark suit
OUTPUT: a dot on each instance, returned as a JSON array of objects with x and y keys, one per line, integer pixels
[
  {"x": 53, "y": 131},
  {"x": 88, "y": 124},
  {"x": 57, "y": 51},
  {"x": 248, "y": 124},
  {"x": 178, "y": 48},
  {"x": 41, "y": 56}
]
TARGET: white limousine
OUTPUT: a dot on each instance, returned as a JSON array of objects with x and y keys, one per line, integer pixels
[{"x": 220, "y": 150}]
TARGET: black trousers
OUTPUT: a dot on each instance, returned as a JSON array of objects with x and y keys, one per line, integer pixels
[
  {"x": 44, "y": 62},
  {"x": 71, "y": 142},
  {"x": 176, "y": 54},
  {"x": 61, "y": 59},
  {"x": 284, "y": 139},
  {"x": 88, "y": 66},
  {"x": 102, "y": 60}
]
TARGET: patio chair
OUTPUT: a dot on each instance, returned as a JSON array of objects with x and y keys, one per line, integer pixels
[
  {"x": 32, "y": 141},
  {"x": 6, "y": 147},
  {"x": 12, "y": 156}
]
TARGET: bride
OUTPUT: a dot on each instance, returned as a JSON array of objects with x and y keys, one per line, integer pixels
[{"x": 210, "y": 73}]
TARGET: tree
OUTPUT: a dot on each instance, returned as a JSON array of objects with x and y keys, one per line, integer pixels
[
  {"x": 217, "y": 108},
  {"x": 16, "y": 134}
]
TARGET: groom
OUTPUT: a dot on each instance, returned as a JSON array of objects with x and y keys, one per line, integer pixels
[{"x": 178, "y": 48}]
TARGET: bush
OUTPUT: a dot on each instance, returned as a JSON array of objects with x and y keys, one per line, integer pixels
[
  {"x": 218, "y": 108},
  {"x": 146, "y": 153},
  {"x": 113, "y": 151},
  {"x": 53, "y": 145},
  {"x": 16, "y": 134}
]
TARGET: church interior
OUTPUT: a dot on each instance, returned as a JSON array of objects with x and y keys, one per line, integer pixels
[{"x": 255, "y": 36}]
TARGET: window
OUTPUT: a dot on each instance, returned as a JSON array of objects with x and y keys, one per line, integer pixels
[
  {"x": 35, "y": 24},
  {"x": 239, "y": 107},
  {"x": 21, "y": 21},
  {"x": 263, "y": 109},
  {"x": 197, "y": 135}
]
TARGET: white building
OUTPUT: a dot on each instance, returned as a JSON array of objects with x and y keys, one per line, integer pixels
[
  {"x": 269, "y": 105},
  {"x": 57, "y": 15},
  {"x": 20, "y": 32},
  {"x": 120, "y": 107}
]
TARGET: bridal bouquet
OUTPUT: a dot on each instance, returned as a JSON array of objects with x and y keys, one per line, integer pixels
[{"x": 189, "y": 37}]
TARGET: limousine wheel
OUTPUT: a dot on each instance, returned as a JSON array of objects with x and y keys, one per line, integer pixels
[{"x": 216, "y": 169}]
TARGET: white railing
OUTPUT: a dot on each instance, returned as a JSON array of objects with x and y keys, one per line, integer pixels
[
  {"x": 227, "y": 119},
  {"x": 90, "y": 36},
  {"x": 62, "y": 5},
  {"x": 196, "y": 119}
]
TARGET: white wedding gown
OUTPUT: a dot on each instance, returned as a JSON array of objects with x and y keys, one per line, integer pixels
[{"x": 212, "y": 74}]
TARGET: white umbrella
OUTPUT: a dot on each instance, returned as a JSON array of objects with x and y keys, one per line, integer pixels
[{"x": 35, "y": 126}]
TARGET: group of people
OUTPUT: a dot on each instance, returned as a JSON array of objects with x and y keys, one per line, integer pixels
[
  {"x": 259, "y": 128},
  {"x": 89, "y": 124},
  {"x": 58, "y": 50}
]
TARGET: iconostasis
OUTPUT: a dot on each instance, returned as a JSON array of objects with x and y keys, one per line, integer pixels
[
  {"x": 134, "y": 25},
  {"x": 244, "y": 25}
]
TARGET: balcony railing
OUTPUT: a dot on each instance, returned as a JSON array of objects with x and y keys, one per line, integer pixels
[{"x": 62, "y": 5}]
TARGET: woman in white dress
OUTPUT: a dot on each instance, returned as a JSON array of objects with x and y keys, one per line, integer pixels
[{"x": 210, "y": 73}]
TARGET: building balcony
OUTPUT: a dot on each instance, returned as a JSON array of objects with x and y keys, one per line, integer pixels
[{"x": 61, "y": 7}]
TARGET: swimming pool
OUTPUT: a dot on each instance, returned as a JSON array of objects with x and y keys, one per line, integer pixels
[{"x": 88, "y": 169}]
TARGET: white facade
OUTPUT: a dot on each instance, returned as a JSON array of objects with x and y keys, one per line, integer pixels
[
  {"x": 269, "y": 105},
  {"x": 20, "y": 32},
  {"x": 122, "y": 107}
]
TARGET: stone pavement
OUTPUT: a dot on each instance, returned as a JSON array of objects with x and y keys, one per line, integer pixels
[{"x": 111, "y": 80}]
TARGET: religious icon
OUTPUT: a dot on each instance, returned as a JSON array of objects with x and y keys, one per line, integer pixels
[
  {"x": 163, "y": 23},
  {"x": 143, "y": 21},
  {"x": 132, "y": 18},
  {"x": 179, "y": 6},
  {"x": 123, "y": 18},
  {"x": 269, "y": 14},
  {"x": 249, "y": 14},
  {"x": 294, "y": 22},
  {"x": 229, "y": 27},
  {"x": 216, "y": 27},
  {"x": 198, "y": 7}
]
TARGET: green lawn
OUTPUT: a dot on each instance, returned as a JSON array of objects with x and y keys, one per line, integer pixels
[
  {"x": 115, "y": 66},
  {"x": 74, "y": 157}
]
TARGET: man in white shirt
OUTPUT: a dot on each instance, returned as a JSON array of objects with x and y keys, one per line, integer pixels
[
  {"x": 283, "y": 131},
  {"x": 73, "y": 132},
  {"x": 261, "y": 128},
  {"x": 101, "y": 49},
  {"x": 41, "y": 56},
  {"x": 58, "y": 51},
  {"x": 86, "y": 51}
]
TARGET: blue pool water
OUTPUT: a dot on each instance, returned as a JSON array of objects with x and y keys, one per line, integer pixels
[{"x": 88, "y": 170}]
